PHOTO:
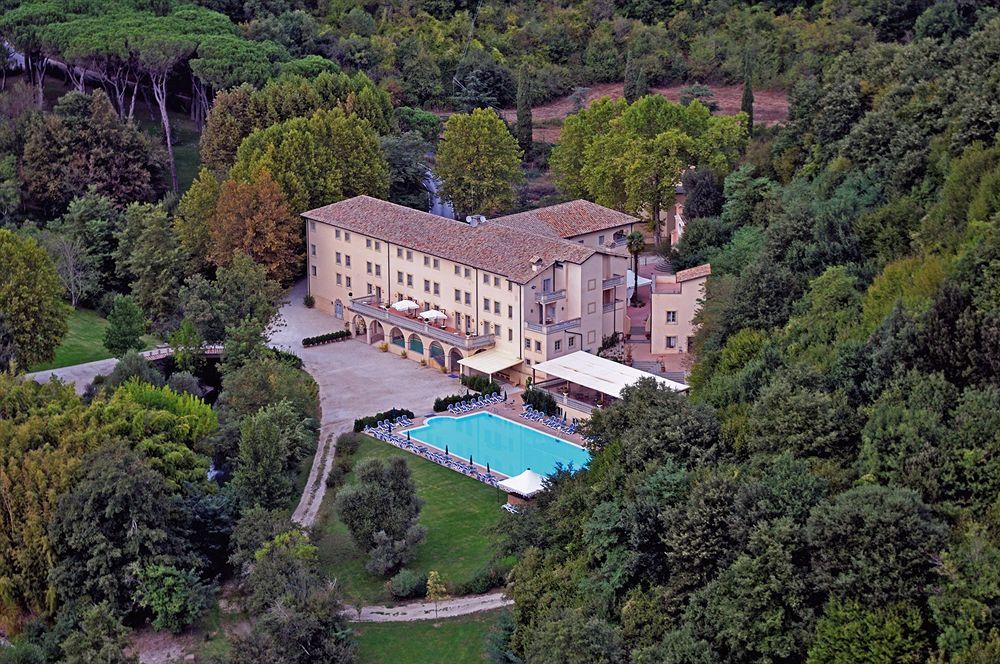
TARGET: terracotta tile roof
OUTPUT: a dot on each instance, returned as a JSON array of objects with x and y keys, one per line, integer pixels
[
  {"x": 670, "y": 284},
  {"x": 567, "y": 220},
  {"x": 493, "y": 247},
  {"x": 694, "y": 272}
]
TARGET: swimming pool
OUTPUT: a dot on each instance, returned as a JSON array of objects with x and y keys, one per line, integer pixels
[{"x": 507, "y": 446}]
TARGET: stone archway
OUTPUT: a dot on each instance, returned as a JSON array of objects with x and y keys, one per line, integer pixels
[
  {"x": 416, "y": 344},
  {"x": 377, "y": 332},
  {"x": 437, "y": 353},
  {"x": 396, "y": 337},
  {"x": 454, "y": 355},
  {"x": 360, "y": 326}
]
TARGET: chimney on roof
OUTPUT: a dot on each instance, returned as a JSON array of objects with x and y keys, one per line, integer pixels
[
  {"x": 536, "y": 263},
  {"x": 475, "y": 219}
]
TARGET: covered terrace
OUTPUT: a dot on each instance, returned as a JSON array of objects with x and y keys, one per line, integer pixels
[{"x": 582, "y": 381}]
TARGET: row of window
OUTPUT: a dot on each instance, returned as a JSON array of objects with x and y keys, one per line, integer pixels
[{"x": 570, "y": 342}]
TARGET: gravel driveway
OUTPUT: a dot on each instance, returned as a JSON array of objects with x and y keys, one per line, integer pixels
[{"x": 354, "y": 380}]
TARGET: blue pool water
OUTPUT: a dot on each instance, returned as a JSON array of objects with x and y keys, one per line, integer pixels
[{"x": 507, "y": 446}]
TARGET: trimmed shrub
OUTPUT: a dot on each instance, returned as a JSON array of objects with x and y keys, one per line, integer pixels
[
  {"x": 442, "y": 403},
  {"x": 480, "y": 384},
  {"x": 327, "y": 338},
  {"x": 407, "y": 584},
  {"x": 372, "y": 420},
  {"x": 539, "y": 400},
  {"x": 309, "y": 301}
]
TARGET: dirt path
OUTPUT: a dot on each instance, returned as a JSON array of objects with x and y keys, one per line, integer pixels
[
  {"x": 449, "y": 608},
  {"x": 770, "y": 106}
]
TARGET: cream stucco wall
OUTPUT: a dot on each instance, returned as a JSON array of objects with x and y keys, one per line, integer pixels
[
  {"x": 685, "y": 305},
  {"x": 343, "y": 265}
]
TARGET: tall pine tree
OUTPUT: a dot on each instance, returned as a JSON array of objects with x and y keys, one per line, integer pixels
[
  {"x": 524, "y": 121},
  {"x": 746, "y": 103}
]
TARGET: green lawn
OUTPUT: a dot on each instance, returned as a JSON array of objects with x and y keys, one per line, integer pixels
[
  {"x": 452, "y": 641},
  {"x": 459, "y": 513},
  {"x": 84, "y": 342}
]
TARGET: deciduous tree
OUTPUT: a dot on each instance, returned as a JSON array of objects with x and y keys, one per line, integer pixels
[
  {"x": 126, "y": 325},
  {"x": 478, "y": 162},
  {"x": 30, "y": 299},
  {"x": 254, "y": 218}
]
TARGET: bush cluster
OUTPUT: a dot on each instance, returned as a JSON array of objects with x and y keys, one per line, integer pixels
[
  {"x": 490, "y": 576},
  {"x": 407, "y": 584},
  {"x": 330, "y": 337},
  {"x": 372, "y": 420},
  {"x": 481, "y": 384},
  {"x": 540, "y": 400},
  {"x": 442, "y": 403}
]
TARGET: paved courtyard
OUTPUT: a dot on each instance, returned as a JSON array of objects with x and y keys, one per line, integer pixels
[{"x": 354, "y": 380}]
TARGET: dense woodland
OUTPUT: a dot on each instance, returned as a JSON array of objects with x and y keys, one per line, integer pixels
[{"x": 828, "y": 490}]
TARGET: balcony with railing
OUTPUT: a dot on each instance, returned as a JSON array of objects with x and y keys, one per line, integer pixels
[
  {"x": 614, "y": 280},
  {"x": 550, "y": 296},
  {"x": 611, "y": 306},
  {"x": 551, "y": 327},
  {"x": 369, "y": 305}
]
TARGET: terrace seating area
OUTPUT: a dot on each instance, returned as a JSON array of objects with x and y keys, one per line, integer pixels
[
  {"x": 551, "y": 421},
  {"x": 384, "y": 433},
  {"x": 477, "y": 403}
]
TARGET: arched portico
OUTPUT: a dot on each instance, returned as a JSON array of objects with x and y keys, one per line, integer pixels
[
  {"x": 396, "y": 338},
  {"x": 360, "y": 326},
  {"x": 416, "y": 344},
  {"x": 437, "y": 353},
  {"x": 377, "y": 332},
  {"x": 454, "y": 355}
]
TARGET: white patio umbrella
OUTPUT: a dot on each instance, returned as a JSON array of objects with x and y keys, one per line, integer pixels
[
  {"x": 433, "y": 314},
  {"x": 405, "y": 305}
]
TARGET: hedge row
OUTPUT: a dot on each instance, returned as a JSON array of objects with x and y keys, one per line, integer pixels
[
  {"x": 372, "y": 420},
  {"x": 441, "y": 403},
  {"x": 481, "y": 384},
  {"x": 326, "y": 338}
]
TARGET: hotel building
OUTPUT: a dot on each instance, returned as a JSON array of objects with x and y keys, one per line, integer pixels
[{"x": 514, "y": 291}]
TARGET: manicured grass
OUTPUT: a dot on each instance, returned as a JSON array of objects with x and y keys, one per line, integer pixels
[
  {"x": 459, "y": 513},
  {"x": 452, "y": 641},
  {"x": 84, "y": 342}
]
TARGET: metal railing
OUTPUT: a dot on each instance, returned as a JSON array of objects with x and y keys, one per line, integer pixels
[
  {"x": 550, "y": 296},
  {"x": 614, "y": 280},
  {"x": 611, "y": 306},
  {"x": 551, "y": 328},
  {"x": 365, "y": 306},
  {"x": 563, "y": 399}
]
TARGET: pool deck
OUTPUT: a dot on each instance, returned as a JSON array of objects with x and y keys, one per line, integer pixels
[{"x": 509, "y": 409}]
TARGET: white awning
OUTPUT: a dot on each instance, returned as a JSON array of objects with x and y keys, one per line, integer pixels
[
  {"x": 597, "y": 373},
  {"x": 490, "y": 361},
  {"x": 630, "y": 282},
  {"x": 527, "y": 484}
]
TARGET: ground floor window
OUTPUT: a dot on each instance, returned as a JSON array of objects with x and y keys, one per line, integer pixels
[{"x": 671, "y": 342}]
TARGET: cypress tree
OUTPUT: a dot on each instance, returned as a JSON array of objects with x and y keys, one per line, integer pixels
[
  {"x": 636, "y": 85},
  {"x": 746, "y": 103},
  {"x": 524, "y": 121}
]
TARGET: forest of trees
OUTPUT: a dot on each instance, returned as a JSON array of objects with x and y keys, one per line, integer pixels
[{"x": 827, "y": 492}]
